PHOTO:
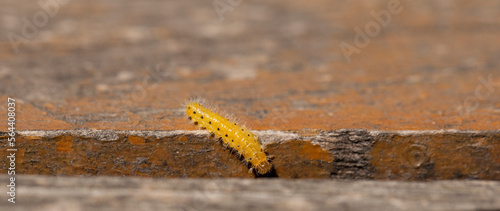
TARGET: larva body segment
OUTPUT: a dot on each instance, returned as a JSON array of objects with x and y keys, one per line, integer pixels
[{"x": 235, "y": 136}]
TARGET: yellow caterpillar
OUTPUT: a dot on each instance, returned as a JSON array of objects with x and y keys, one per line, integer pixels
[{"x": 233, "y": 135}]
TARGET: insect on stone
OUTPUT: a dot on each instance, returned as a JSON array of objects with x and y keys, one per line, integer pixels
[{"x": 233, "y": 135}]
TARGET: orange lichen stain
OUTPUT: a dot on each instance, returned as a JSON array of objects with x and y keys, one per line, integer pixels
[
  {"x": 20, "y": 155},
  {"x": 49, "y": 106},
  {"x": 315, "y": 152},
  {"x": 136, "y": 140},
  {"x": 301, "y": 159},
  {"x": 32, "y": 137},
  {"x": 158, "y": 155},
  {"x": 29, "y": 117},
  {"x": 64, "y": 144},
  {"x": 182, "y": 138}
]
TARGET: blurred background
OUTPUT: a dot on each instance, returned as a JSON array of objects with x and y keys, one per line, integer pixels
[{"x": 284, "y": 65}]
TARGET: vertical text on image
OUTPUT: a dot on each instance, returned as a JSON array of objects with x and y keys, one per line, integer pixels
[{"x": 11, "y": 149}]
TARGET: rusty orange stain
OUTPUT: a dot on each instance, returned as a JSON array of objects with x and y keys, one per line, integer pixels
[
  {"x": 64, "y": 144},
  {"x": 365, "y": 107},
  {"x": 136, "y": 140},
  {"x": 32, "y": 137},
  {"x": 300, "y": 159},
  {"x": 182, "y": 138},
  {"x": 314, "y": 152},
  {"x": 158, "y": 155}
]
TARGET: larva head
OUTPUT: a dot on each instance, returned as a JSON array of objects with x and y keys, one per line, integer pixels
[
  {"x": 192, "y": 107},
  {"x": 263, "y": 167}
]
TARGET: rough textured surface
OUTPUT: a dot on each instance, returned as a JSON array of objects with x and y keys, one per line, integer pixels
[
  {"x": 346, "y": 154},
  {"x": 113, "y": 193},
  {"x": 442, "y": 155},
  {"x": 276, "y": 65},
  {"x": 99, "y": 88}
]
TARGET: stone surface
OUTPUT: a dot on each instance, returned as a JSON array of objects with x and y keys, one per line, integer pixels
[
  {"x": 99, "y": 88},
  {"x": 418, "y": 100},
  {"x": 276, "y": 65},
  {"x": 114, "y": 193},
  {"x": 342, "y": 154}
]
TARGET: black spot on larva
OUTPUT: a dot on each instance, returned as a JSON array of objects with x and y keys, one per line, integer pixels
[
  {"x": 242, "y": 129},
  {"x": 189, "y": 118},
  {"x": 189, "y": 107},
  {"x": 202, "y": 117},
  {"x": 261, "y": 150},
  {"x": 226, "y": 135},
  {"x": 249, "y": 158},
  {"x": 248, "y": 134},
  {"x": 218, "y": 128},
  {"x": 196, "y": 123},
  {"x": 194, "y": 112},
  {"x": 209, "y": 122},
  {"x": 234, "y": 123},
  {"x": 232, "y": 140}
]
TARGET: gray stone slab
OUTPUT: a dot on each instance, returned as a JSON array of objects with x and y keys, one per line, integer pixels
[{"x": 129, "y": 193}]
